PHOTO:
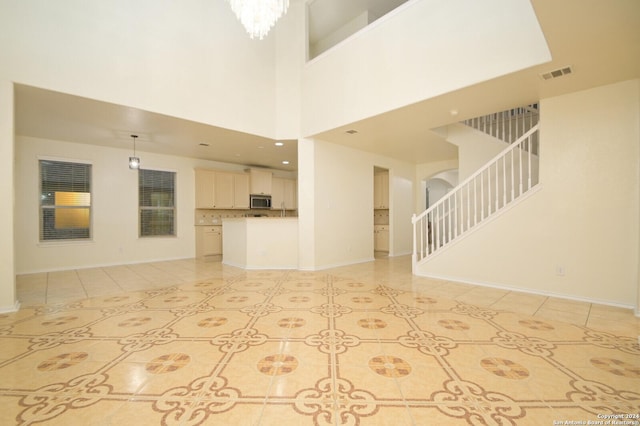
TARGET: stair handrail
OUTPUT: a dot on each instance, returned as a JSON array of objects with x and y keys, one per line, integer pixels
[{"x": 478, "y": 172}]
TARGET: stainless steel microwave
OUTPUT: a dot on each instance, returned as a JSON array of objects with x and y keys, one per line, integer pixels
[{"x": 260, "y": 201}]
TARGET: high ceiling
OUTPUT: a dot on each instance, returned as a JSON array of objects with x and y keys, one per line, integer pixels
[{"x": 600, "y": 40}]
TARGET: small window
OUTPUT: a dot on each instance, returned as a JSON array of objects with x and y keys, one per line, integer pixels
[
  {"x": 65, "y": 201},
  {"x": 156, "y": 195}
]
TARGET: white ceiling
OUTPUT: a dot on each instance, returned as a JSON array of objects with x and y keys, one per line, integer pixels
[
  {"x": 58, "y": 116},
  {"x": 599, "y": 39}
]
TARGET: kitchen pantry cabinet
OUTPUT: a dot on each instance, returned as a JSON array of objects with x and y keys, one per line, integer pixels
[
  {"x": 381, "y": 190},
  {"x": 261, "y": 182},
  {"x": 284, "y": 193},
  {"x": 231, "y": 191}
]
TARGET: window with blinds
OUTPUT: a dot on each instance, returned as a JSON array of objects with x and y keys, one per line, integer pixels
[
  {"x": 65, "y": 201},
  {"x": 156, "y": 195}
]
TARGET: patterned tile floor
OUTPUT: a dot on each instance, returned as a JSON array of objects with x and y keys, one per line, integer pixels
[{"x": 189, "y": 342}]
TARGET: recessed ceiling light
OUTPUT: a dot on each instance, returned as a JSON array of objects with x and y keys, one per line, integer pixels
[
  {"x": 279, "y": 144},
  {"x": 285, "y": 162},
  {"x": 261, "y": 147}
]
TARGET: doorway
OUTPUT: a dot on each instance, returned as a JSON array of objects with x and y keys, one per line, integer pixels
[{"x": 380, "y": 212}]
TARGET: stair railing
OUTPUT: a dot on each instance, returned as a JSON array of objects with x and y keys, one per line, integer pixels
[
  {"x": 505, "y": 178},
  {"x": 508, "y": 125}
]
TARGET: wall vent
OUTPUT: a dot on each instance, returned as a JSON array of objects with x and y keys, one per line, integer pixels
[{"x": 556, "y": 73}]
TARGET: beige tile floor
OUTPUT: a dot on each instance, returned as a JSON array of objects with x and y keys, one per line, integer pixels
[{"x": 190, "y": 342}]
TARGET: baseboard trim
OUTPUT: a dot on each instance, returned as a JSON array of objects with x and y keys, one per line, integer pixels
[
  {"x": 532, "y": 291},
  {"x": 103, "y": 265},
  {"x": 10, "y": 309}
]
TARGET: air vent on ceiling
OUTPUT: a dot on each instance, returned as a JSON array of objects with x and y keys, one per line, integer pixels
[
  {"x": 556, "y": 73},
  {"x": 351, "y": 132}
]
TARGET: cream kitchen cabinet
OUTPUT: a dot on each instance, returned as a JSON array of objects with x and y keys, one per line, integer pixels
[
  {"x": 381, "y": 237},
  {"x": 208, "y": 241},
  {"x": 261, "y": 182},
  {"x": 205, "y": 182},
  {"x": 240, "y": 191},
  {"x": 284, "y": 194},
  {"x": 231, "y": 191},
  {"x": 381, "y": 190}
]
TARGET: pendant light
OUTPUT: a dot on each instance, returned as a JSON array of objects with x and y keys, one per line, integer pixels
[{"x": 134, "y": 162}]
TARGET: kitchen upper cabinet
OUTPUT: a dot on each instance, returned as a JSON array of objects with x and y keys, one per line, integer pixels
[
  {"x": 240, "y": 191},
  {"x": 290, "y": 194},
  {"x": 231, "y": 191},
  {"x": 283, "y": 194},
  {"x": 381, "y": 190},
  {"x": 261, "y": 182},
  {"x": 204, "y": 189},
  {"x": 223, "y": 191}
]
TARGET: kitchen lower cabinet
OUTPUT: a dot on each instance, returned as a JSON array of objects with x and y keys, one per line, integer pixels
[
  {"x": 381, "y": 237},
  {"x": 208, "y": 241}
]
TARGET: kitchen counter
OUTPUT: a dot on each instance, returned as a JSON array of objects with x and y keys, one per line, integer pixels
[{"x": 260, "y": 242}]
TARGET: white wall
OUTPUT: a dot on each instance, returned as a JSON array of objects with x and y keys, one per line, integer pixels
[
  {"x": 114, "y": 210},
  {"x": 412, "y": 54},
  {"x": 351, "y": 27},
  {"x": 424, "y": 172},
  {"x": 335, "y": 186},
  {"x": 8, "y": 300},
  {"x": 291, "y": 52},
  {"x": 585, "y": 217},
  {"x": 190, "y": 59},
  {"x": 475, "y": 148}
]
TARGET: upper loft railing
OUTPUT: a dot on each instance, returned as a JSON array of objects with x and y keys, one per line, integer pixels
[
  {"x": 508, "y": 125},
  {"x": 496, "y": 185}
]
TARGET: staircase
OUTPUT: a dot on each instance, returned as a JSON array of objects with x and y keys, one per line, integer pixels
[{"x": 490, "y": 190}]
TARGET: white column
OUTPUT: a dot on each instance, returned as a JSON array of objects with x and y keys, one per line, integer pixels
[
  {"x": 306, "y": 204},
  {"x": 8, "y": 299}
]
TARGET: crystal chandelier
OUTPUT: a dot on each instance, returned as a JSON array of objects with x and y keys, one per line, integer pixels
[{"x": 258, "y": 16}]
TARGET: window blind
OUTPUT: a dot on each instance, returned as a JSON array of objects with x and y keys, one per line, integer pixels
[
  {"x": 156, "y": 195},
  {"x": 65, "y": 200}
]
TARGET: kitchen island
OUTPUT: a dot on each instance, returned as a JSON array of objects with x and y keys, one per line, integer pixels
[{"x": 260, "y": 242}]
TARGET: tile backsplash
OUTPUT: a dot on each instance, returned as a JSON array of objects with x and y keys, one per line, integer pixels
[{"x": 214, "y": 217}]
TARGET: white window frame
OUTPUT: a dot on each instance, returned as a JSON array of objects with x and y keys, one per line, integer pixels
[
  {"x": 42, "y": 207},
  {"x": 142, "y": 208}
]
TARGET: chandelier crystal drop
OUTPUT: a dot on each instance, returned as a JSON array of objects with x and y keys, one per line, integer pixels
[{"x": 258, "y": 16}]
